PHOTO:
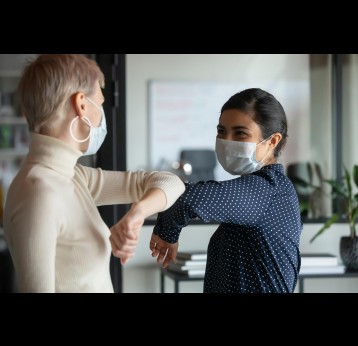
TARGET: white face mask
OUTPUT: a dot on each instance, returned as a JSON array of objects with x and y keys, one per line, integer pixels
[
  {"x": 238, "y": 158},
  {"x": 96, "y": 135}
]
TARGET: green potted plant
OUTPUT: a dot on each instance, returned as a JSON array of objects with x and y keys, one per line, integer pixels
[
  {"x": 342, "y": 189},
  {"x": 308, "y": 180}
]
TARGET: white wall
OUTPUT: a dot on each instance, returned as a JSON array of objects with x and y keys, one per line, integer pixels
[
  {"x": 350, "y": 106},
  {"x": 141, "y": 274},
  {"x": 321, "y": 110},
  {"x": 257, "y": 70}
]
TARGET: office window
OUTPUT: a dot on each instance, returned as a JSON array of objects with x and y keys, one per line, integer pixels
[{"x": 350, "y": 110}]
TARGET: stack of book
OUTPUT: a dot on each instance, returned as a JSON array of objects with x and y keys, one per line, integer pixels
[
  {"x": 190, "y": 263},
  {"x": 320, "y": 263}
]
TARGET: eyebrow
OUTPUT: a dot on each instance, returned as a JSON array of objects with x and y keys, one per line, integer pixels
[{"x": 234, "y": 127}]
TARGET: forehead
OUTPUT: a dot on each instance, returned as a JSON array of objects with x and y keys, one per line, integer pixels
[
  {"x": 98, "y": 90},
  {"x": 235, "y": 117}
]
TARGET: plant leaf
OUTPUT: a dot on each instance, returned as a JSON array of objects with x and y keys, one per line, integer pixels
[
  {"x": 310, "y": 173},
  {"x": 304, "y": 206},
  {"x": 333, "y": 219},
  {"x": 319, "y": 172},
  {"x": 355, "y": 174},
  {"x": 338, "y": 187},
  {"x": 356, "y": 197},
  {"x": 347, "y": 177},
  {"x": 301, "y": 182},
  {"x": 355, "y": 214}
]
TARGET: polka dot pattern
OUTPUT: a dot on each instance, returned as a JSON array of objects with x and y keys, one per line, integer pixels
[{"x": 256, "y": 246}]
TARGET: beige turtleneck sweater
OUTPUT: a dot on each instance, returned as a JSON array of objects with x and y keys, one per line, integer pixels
[{"x": 56, "y": 236}]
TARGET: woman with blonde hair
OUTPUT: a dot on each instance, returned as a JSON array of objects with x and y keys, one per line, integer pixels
[{"x": 56, "y": 236}]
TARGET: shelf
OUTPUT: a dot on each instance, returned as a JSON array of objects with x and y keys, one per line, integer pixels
[
  {"x": 13, "y": 121},
  {"x": 3, "y": 245},
  {"x": 176, "y": 277},
  {"x": 10, "y": 73},
  {"x": 11, "y": 152}
]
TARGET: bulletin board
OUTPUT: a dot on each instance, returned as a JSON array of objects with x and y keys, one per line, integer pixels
[{"x": 184, "y": 114}]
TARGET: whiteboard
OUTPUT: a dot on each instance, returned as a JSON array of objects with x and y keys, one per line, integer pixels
[{"x": 185, "y": 114}]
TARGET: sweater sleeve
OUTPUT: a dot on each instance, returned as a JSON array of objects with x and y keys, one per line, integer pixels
[
  {"x": 116, "y": 187},
  {"x": 31, "y": 230}
]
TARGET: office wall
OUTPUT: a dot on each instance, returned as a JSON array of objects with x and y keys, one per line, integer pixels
[
  {"x": 350, "y": 106},
  {"x": 268, "y": 71},
  {"x": 141, "y": 274},
  {"x": 321, "y": 113}
]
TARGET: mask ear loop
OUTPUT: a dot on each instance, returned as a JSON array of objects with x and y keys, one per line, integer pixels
[
  {"x": 261, "y": 161},
  {"x": 87, "y": 121},
  {"x": 264, "y": 140}
]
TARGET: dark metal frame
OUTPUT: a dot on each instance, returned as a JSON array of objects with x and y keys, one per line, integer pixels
[
  {"x": 337, "y": 121},
  {"x": 112, "y": 154}
]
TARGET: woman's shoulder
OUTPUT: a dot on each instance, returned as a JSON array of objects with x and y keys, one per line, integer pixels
[
  {"x": 38, "y": 180},
  {"x": 273, "y": 168},
  {"x": 34, "y": 194},
  {"x": 278, "y": 176},
  {"x": 273, "y": 174}
]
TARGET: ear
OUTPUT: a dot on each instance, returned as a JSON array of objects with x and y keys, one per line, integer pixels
[
  {"x": 79, "y": 104},
  {"x": 275, "y": 139}
]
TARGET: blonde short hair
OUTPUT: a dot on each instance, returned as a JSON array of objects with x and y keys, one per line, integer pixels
[{"x": 48, "y": 82}]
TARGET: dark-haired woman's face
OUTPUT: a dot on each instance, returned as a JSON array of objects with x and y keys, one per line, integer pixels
[{"x": 235, "y": 125}]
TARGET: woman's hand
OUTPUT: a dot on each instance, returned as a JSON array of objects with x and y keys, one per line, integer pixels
[
  {"x": 125, "y": 234},
  {"x": 165, "y": 252}
]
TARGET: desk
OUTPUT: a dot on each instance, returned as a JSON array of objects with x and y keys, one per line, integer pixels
[
  {"x": 176, "y": 277},
  {"x": 303, "y": 277}
]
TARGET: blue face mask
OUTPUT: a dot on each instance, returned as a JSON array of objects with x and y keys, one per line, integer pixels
[{"x": 97, "y": 134}]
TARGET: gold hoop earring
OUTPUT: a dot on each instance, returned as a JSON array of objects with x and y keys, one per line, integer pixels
[{"x": 87, "y": 121}]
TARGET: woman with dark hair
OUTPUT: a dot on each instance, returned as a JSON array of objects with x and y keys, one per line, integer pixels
[{"x": 256, "y": 246}]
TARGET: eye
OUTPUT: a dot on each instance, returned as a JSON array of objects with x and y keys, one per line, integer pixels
[
  {"x": 240, "y": 133},
  {"x": 221, "y": 131}
]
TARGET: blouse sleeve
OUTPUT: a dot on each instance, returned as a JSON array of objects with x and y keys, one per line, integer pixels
[{"x": 243, "y": 201}]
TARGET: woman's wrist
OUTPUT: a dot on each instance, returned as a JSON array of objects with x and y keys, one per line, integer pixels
[{"x": 152, "y": 202}]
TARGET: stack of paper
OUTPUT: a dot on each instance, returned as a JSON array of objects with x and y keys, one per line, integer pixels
[
  {"x": 320, "y": 263},
  {"x": 190, "y": 263}
]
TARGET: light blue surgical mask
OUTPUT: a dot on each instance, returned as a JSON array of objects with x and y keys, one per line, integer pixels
[
  {"x": 96, "y": 135},
  {"x": 238, "y": 158}
]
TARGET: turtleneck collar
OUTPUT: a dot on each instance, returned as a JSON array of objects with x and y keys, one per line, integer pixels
[{"x": 53, "y": 153}]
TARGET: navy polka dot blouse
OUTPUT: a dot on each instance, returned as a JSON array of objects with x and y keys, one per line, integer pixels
[{"x": 256, "y": 247}]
